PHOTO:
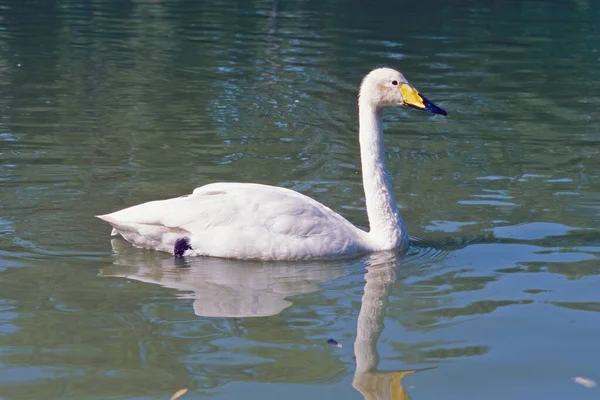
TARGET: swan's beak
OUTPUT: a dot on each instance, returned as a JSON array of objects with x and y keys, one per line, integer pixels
[{"x": 413, "y": 99}]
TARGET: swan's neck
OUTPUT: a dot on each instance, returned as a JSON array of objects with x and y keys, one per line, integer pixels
[{"x": 387, "y": 227}]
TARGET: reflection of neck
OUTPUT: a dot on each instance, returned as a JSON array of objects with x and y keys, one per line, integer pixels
[
  {"x": 370, "y": 318},
  {"x": 371, "y": 383}
]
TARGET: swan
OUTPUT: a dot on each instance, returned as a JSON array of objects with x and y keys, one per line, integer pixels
[{"x": 262, "y": 222}]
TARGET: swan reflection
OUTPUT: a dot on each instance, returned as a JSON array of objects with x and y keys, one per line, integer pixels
[
  {"x": 224, "y": 288},
  {"x": 368, "y": 380}
]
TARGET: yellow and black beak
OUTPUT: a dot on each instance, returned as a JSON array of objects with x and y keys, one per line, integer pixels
[{"x": 413, "y": 99}]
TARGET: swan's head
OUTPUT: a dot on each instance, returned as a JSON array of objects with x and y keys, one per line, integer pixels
[{"x": 385, "y": 87}]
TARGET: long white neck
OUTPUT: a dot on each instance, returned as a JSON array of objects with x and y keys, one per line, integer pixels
[{"x": 387, "y": 227}]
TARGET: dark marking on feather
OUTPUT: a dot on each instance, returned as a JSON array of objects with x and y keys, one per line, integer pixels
[{"x": 181, "y": 245}]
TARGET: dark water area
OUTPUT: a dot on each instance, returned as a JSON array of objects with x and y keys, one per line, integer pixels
[{"x": 107, "y": 104}]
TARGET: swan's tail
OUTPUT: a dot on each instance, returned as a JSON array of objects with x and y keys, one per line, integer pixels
[
  {"x": 111, "y": 221},
  {"x": 149, "y": 236}
]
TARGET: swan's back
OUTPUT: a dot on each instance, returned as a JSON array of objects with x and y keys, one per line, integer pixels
[{"x": 241, "y": 220}]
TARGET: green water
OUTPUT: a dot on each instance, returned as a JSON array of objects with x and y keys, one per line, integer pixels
[{"x": 105, "y": 104}]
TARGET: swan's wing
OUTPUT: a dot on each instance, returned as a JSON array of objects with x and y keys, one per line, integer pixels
[{"x": 238, "y": 220}]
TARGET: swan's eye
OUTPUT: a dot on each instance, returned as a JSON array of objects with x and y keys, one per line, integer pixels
[{"x": 395, "y": 83}]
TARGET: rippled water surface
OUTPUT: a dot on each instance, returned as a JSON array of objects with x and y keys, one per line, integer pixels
[{"x": 108, "y": 104}]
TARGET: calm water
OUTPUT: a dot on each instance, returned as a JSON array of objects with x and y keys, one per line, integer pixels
[{"x": 108, "y": 104}]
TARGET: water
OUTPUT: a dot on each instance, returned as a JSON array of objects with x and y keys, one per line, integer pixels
[{"x": 108, "y": 104}]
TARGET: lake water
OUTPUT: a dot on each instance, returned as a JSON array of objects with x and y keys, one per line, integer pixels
[{"x": 107, "y": 104}]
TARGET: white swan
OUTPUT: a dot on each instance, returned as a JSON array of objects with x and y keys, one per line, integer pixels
[{"x": 254, "y": 221}]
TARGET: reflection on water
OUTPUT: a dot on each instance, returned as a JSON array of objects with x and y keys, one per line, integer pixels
[
  {"x": 368, "y": 380},
  {"x": 235, "y": 289},
  {"x": 220, "y": 287}
]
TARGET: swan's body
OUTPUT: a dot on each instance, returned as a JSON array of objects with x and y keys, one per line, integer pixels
[
  {"x": 241, "y": 220},
  {"x": 253, "y": 221}
]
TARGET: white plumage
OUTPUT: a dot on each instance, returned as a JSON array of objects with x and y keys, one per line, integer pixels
[{"x": 254, "y": 221}]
